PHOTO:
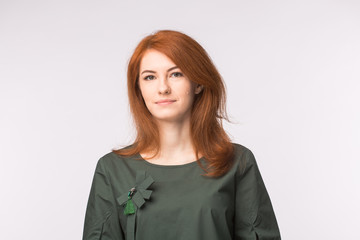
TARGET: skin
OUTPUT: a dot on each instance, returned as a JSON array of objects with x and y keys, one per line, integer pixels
[{"x": 160, "y": 78}]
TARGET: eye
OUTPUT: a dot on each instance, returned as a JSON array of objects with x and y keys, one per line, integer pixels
[
  {"x": 177, "y": 74},
  {"x": 149, "y": 77}
]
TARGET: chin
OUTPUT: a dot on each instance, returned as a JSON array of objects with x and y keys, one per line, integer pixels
[{"x": 167, "y": 117}]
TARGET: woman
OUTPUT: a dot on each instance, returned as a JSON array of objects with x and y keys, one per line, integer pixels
[{"x": 182, "y": 178}]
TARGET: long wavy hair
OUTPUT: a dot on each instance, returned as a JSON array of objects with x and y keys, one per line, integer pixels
[{"x": 209, "y": 106}]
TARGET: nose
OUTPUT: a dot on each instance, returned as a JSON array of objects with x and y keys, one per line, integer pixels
[{"x": 164, "y": 86}]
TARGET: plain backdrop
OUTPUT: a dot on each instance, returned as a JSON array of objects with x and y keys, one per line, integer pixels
[{"x": 292, "y": 73}]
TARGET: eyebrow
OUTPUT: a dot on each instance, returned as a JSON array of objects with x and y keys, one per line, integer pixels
[{"x": 151, "y": 71}]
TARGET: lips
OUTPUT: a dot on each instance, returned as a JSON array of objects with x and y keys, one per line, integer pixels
[{"x": 165, "y": 101}]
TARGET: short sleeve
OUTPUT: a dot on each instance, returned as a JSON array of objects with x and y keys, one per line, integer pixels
[
  {"x": 101, "y": 218},
  {"x": 254, "y": 215}
]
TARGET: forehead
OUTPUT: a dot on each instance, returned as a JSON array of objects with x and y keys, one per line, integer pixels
[{"x": 153, "y": 59}]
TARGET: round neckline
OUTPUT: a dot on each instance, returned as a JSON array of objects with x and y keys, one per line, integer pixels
[{"x": 168, "y": 166}]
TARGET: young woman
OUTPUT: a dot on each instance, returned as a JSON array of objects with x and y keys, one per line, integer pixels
[{"x": 182, "y": 178}]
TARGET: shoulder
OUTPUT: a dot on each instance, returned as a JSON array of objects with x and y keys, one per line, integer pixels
[
  {"x": 242, "y": 151},
  {"x": 111, "y": 160},
  {"x": 244, "y": 158}
]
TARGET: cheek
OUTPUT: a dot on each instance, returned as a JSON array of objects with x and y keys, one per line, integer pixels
[
  {"x": 189, "y": 91},
  {"x": 144, "y": 92},
  {"x": 186, "y": 92}
]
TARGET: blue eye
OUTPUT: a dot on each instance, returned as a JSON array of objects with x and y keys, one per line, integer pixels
[
  {"x": 177, "y": 74},
  {"x": 149, "y": 77}
]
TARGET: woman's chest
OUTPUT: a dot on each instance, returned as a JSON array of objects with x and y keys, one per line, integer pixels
[{"x": 192, "y": 202}]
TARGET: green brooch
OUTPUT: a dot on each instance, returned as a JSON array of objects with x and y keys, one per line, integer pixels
[
  {"x": 129, "y": 205},
  {"x": 136, "y": 196},
  {"x": 133, "y": 199}
]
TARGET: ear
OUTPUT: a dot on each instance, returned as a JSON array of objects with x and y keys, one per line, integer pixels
[{"x": 198, "y": 89}]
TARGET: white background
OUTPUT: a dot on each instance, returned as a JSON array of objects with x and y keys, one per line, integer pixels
[{"x": 292, "y": 72}]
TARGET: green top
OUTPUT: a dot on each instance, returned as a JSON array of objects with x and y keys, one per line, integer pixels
[{"x": 174, "y": 202}]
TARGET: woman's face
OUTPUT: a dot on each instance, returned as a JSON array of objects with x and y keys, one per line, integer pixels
[{"x": 160, "y": 79}]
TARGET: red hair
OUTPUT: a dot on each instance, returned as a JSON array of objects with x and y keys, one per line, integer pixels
[{"x": 208, "y": 110}]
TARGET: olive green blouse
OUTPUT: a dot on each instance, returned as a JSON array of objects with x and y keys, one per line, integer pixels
[{"x": 174, "y": 202}]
